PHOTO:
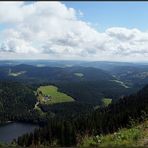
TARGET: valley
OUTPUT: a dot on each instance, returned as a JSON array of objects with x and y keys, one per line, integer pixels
[{"x": 72, "y": 98}]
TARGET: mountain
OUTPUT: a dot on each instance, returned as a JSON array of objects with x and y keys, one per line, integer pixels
[
  {"x": 66, "y": 122},
  {"x": 24, "y": 71},
  {"x": 42, "y": 63},
  {"x": 134, "y": 76},
  {"x": 106, "y": 65},
  {"x": 84, "y": 84}
]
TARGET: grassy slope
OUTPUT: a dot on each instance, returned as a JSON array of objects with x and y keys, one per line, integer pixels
[
  {"x": 56, "y": 96},
  {"x": 135, "y": 136},
  {"x": 106, "y": 101}
]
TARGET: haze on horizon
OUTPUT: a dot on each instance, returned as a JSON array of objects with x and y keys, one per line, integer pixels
[{"x": 94, "y": 31}]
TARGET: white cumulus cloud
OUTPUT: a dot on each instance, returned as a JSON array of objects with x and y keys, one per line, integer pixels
[{"x": 52, "y": 30}]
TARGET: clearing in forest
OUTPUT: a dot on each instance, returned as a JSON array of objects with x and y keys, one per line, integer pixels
[{"x": 50, "y": 95}]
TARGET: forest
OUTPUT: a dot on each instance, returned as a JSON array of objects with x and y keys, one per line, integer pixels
[{"x": 60, "y": 132}]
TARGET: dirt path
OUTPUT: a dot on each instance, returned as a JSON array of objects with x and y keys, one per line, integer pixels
[{"x": 36, "y": 105}]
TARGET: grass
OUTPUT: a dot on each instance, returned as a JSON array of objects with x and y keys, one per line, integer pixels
[
  {"x": 56, "y": 96},
  {"x": 135, "y": 136},
  {"x": 106, "y": 101},
  {"x": 122, "y": 138},
  {"x": 79, "y": 74},
  {"x": 15, "y": 74}
]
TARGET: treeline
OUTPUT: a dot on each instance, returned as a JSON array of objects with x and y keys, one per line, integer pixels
[{"x": 61, "y": 132}]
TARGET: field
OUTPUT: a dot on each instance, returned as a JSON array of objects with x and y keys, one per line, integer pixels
[
  {"x": 79, "y": 74},
  {"x": 51, "y": 95},
  {"x": 15, "y": 74},
  {"x": 106, "y": 101}
]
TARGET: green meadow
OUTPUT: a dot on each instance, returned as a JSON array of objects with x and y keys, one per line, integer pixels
[
  {"x": 54, "y": 95},
  {"x": 106, "y": 101}
]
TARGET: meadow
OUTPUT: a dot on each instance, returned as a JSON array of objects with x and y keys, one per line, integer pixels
[
  {"x": 106, "y": 101},
  {"x": 50, "y": 95}
]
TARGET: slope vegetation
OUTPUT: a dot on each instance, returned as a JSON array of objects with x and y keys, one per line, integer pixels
[{"x": 134, "y": 136}]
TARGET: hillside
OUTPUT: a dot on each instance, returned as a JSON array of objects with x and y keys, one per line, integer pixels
[
  {"x": 54, "y": 74},
  {"x": 134, "y": 76},
  {"x": 131, "y": 74},
  {"x": 16, "y": 101},
  {"x": 135, "y": 136},
  {"x": 84, "y": 84},
  {"x": 103, "y": 121}
]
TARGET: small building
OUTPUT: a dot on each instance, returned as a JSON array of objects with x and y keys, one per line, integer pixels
[{"x": 47, "y": 97}]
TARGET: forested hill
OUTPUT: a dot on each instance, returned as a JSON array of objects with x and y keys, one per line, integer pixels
[
  {"x": 53, "y": 74},
  {"x": 16, "y": 101},
  {"x": 102, "y": 121},
  {"x": 85, "y": 84}
]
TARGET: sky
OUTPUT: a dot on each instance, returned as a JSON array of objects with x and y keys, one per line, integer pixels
[
  {"x": 109, "y": 14},
  {"x": 96, "y": 31}
]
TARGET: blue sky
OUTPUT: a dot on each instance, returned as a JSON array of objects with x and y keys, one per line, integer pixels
[{"x": 114, "y": 14}]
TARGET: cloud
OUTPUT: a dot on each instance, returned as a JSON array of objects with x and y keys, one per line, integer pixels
[
  {"x": 52, "y": 30},
  {"x": 129, "y": 41}
]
